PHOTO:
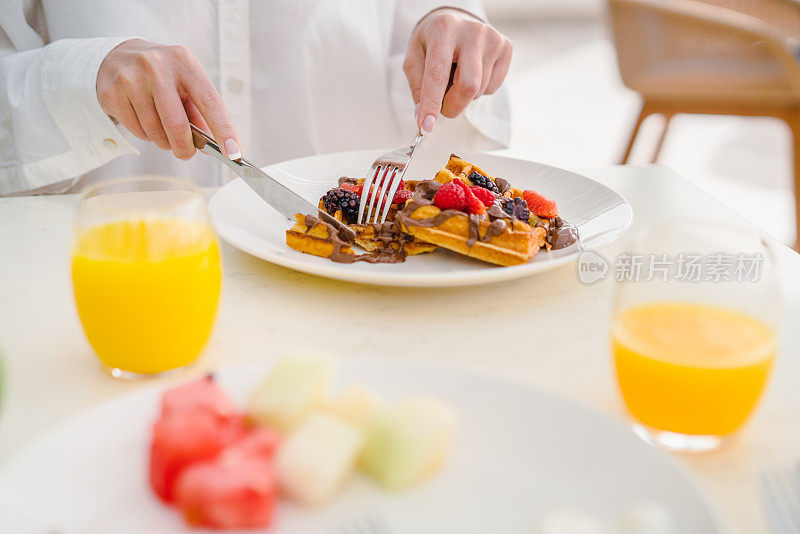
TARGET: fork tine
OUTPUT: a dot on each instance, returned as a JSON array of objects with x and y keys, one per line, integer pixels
[
  {"x": 399, "y": 172},
  {"x": 378, "y": 182},
  {"x": 384, "y": 200},
  {"x": 368, "y": 181},
  {"x": 377, "y": 195}
]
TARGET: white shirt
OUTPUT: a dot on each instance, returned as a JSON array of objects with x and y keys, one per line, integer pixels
[{"x": 299, "y": 77}]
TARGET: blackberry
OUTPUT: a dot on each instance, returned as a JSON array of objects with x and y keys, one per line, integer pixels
[
  {"x": 342, "y": 199},
  {"x": 517, "y": 208},
  {"x": 483, "y": 181}
]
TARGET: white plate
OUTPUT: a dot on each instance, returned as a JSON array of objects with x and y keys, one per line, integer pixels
[
  {"x": 246, "y": 222},
  {"x": 518, "y": 453}
]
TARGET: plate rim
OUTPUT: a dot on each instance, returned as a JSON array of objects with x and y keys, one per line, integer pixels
[{"x": 491, "y": 274}]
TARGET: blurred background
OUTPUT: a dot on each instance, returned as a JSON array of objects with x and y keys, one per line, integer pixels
[{"x": 572, "y": 109}]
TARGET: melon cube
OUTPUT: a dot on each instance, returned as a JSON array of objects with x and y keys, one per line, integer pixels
[
  {"x": 355, "y": 405},
  {"x": 407, "y": 442},
  {"x": 296, "y": 386},
  {"x": 314, "y": 461}
]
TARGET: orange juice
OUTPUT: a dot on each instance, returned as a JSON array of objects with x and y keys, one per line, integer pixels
[
  {"x": 147, "y": 291},
  {"x": 691, "y": 368}
]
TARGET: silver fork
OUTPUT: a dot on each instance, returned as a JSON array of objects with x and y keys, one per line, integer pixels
[
  {"x": 370, "y": 524},
  {"x": 385, "y": 174},
  {"x": 780, "y": 496}
]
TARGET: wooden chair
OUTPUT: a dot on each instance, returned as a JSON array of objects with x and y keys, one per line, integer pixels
[{"x": 719, "y": 57}]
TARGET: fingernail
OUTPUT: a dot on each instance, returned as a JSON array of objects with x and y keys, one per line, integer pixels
[
  {"x": 232, "y": 149},
  {"x": 428, "y": 124}
]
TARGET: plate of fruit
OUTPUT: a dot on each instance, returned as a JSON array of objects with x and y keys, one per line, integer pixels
[
  {"x": 453, "y": 220},
  {"x": 308, "y": 445}
]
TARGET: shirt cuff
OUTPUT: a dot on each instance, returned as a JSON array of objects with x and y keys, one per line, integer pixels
[{"x": 69, "y": 78}]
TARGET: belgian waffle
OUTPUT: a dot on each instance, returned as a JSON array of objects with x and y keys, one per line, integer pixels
[{"x": 502, "y": 233}]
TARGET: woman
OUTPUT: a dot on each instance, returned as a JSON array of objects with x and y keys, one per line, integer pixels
[{"x": 86, "y": 85}]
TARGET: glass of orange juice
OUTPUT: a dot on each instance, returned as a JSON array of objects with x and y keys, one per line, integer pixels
[
  {"x": 694, "y": 328},
  {"x": 146, "y": 274}
]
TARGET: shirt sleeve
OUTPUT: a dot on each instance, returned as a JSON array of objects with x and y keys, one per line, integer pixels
[{"x": 52, "y": 127}]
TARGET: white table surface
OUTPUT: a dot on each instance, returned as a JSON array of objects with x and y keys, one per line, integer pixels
[{"x": 550, "y": 331}]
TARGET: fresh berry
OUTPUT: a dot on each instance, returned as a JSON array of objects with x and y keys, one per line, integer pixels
[
  {"x": 350, "y": 186},
  {"x": 484, "y": 195},
  {"x": 401, "y": 196},
  {"x": 344, "y": 200},
  {"x": 540, "y": 204},
  {"x": 485, "y": 182},
  {"x": 517, "y": 208},
  {"x": 450, "y": 197},
  {"x": 474, "y": 204}
]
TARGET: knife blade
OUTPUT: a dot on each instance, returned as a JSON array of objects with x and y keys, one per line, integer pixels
[{"x": 284, "y": 200}]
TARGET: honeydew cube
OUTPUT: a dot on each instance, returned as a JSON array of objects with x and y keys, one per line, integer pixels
[
  {"x": 316, "y": 458},
  {"x": 355, "y": 405},
  {"x": 407, "y": 442},
  {"x": 296, "y": 386}
]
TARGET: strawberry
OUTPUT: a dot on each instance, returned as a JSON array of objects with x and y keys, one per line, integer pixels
[
  {"x": 474, "y": 204},
  {"x": 484, "y": 195},
  {"x": 450, "y": 197},
  {"x": 349, "y": 186},
  {"x": 540, "y": 204}
]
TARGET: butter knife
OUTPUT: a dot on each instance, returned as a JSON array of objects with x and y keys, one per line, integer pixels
[{"x": 274, "y": 193}]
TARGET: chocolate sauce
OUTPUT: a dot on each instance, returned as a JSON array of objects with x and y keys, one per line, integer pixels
[
  {"x": 387, "y": 233},
  {"x": 560, "y": 234},
  {"x": 337, "y": 240}
]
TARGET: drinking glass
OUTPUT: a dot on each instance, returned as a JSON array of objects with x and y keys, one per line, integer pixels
[
  {"x": 146, "y": 274},
  {"x": 693, "y": 335}
]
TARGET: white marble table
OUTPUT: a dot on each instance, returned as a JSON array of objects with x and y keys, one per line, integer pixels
[{"x": 52, "y": 374}]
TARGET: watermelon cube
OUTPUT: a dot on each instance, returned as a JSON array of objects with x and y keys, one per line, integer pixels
[
  {"x": 295, "y": 387},
  {"x": 183, "y": 439},
  {"x": 259, "y": 442},
  {"x": 407, "y": 442},
  {"x": 203, "y": 395},
  {"x": 316, "y": 459},
  {"x": 231, "y": 492}
]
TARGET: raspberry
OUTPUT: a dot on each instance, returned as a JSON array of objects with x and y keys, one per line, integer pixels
[
  {"x": 517, "y": 208},
  {"x": 484, "y": 195},
  {"x": 474, "y": 205},
  {"x": 401, "y": 196},
  {"x": 485, "y": 182},
  {"x": 540, "y": 204},
  {"x": 450, "y": 197},
  {"x": 344, "y": 200}
]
